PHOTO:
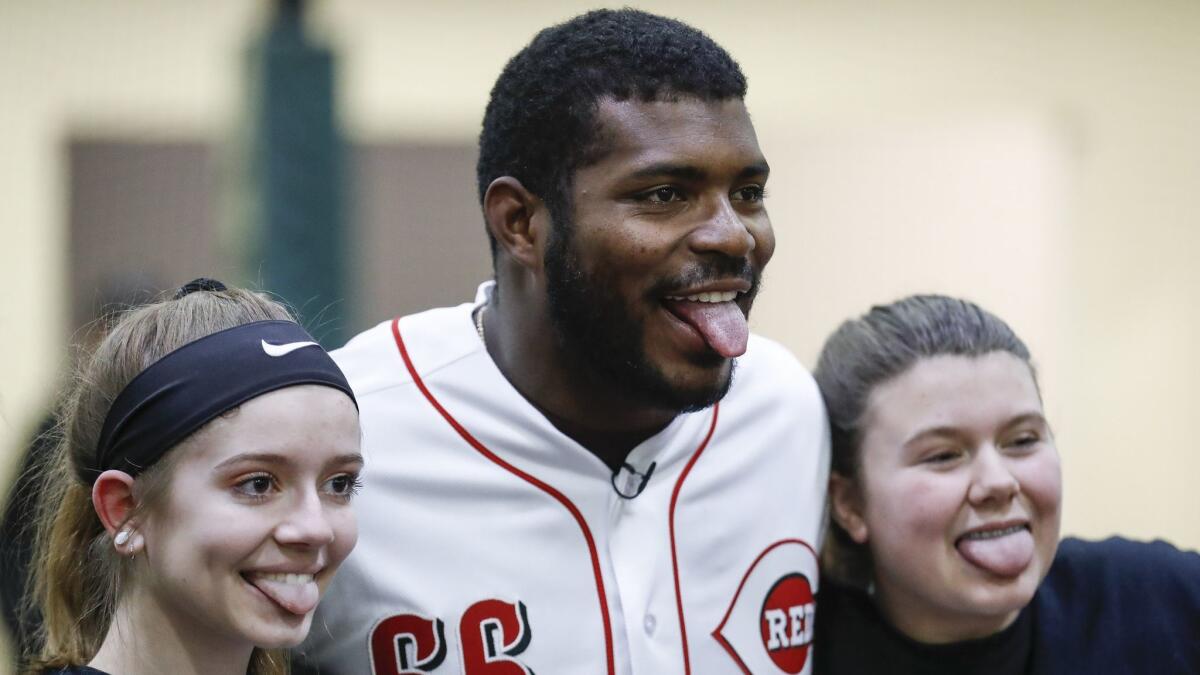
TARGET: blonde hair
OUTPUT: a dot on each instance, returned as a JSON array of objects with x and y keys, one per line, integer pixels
[{"x": 77, "y": 576}]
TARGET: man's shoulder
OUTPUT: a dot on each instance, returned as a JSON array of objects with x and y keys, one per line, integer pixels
[
  {"x": 379, "y": 357},
  {"x": 763, "y": 352},
  {"x": 770, "y": 369}
]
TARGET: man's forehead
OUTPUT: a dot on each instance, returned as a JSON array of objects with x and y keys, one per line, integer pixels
[
  {"x": 667, "y": 117},
  {"x": 684, "y": 124}
]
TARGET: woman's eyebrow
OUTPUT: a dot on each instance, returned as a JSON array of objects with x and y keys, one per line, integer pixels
[
  {"x": 348, "y": 458},
  {"x": 1033, "y": 417},
  {"x": 935, "y": 432},
  {"x": 956, "y": 433},
  {"x": 262, "y": 457}
]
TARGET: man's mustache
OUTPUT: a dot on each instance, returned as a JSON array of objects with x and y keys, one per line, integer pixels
[{"x": 708, "y": 270}]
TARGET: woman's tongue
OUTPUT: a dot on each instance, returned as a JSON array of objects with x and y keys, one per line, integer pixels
[
  {"x": 297, "y": 598},
  {"x": 722, "y": 324},
  {"x": 1003, "y": 556}
]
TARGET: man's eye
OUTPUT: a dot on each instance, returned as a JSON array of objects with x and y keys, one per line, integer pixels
[
  {"x": 663, "y": 195},
  {"x": 750, "y": 193}
]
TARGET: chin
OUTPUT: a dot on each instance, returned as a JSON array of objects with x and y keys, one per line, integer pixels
[
  {"x": 694, "y": 399},
  {"x": 1005, "y": 598},
  {"x": 280, "y": 633},
  {"x": 694, "y": 387}
]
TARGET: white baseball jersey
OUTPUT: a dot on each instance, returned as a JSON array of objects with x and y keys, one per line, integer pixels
[{"x": 492, "y": 544}]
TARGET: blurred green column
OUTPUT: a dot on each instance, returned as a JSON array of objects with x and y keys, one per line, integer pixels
[{"x": 296, "y": 165}]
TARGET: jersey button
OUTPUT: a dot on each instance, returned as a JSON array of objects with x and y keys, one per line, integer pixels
[{"x": 650, "y": 623}]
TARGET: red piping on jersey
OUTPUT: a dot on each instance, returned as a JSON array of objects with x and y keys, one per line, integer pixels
[
  {"x": 717, "y": 633},
  {"x": 483, "y": 450},
  {"x": 687, "y": 666}
]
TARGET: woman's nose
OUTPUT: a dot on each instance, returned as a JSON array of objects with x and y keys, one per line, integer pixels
[
  {"x": 306, "y": 524},
  {"x": 992, "y": 478}
]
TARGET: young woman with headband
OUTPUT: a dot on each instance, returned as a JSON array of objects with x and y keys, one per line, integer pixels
[
  {"x": 944, "y": 552},
  {"x": 200, "y": 499}
]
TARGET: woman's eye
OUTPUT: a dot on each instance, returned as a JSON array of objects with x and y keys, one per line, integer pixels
[
  {"x": 256, "y": 486},
  {"x": 750, "y": 193},
  {"x": 942, "y": 457},
  {"x": 1025, "y": 440},
  {"x": 663, "y": 195},
  {"x": 343, "y": 485}
]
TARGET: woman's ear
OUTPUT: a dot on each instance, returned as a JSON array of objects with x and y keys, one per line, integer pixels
[
  {"x": 112, "y": 497},
  {"x": 847, "y": 505}
]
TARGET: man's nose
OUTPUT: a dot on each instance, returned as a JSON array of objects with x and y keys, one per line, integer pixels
[{"x": 723, "y": 230}]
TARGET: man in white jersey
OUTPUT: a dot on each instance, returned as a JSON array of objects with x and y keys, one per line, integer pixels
[{"x": 566, "y": 476}]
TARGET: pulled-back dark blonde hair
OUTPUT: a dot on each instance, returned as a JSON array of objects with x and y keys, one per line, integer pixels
[
  {"x": 77, "y": 576},
  {"x": 870, "y": 350}
]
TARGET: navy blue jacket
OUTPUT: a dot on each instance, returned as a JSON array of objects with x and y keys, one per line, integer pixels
[
  {"x": 1118, "y": 606},
  {"x": 1113, "y": 607}
]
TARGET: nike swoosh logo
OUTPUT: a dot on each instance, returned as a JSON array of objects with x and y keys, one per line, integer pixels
[{"x": 285, "y": 349}]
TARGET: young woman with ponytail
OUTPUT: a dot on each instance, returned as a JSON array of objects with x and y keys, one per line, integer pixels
[{"x": 199, "y": 500}]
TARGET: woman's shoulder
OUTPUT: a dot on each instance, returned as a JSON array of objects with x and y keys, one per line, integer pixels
[
  {"x": 1119, "y": 601},
  {"x": 1116, "y": 572},
  {"x": 1125, "y": 563}
]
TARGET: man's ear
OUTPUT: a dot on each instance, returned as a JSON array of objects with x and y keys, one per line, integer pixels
[
  {"x": 113, "y": 499},
  {"x": 847, "y": 506},
  {"x": 516, "y": 218}
]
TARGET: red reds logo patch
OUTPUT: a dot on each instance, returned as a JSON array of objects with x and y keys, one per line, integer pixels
[
  {"x": 787, "y": 622},
  {"x": 769, "y": 625}
]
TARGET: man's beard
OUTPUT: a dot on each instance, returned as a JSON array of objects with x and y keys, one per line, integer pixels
[{"x": 599, "y": 334}]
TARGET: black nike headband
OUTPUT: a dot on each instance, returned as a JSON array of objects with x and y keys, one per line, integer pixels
[{"x": 192, "y": 385}]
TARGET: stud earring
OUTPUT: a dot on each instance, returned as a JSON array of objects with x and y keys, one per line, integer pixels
[{"x": 121, "y": 538}]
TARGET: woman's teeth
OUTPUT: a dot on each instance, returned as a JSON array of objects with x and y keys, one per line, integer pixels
[
  {"x": 714, "y": 296},
  {"x": 296, "y": 579},
  {"x": 295, "y": 593},
  {"x": 993, "y": 534}
]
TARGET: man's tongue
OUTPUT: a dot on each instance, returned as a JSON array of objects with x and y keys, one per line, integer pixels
[
  {"x": 1005, "y": 556},
  {"x": 298, "y": 599},
  {"x": 722, "y": 324}
]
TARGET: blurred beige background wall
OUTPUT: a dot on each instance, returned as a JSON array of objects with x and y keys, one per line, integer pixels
[{"x": 1041, "y": 158}]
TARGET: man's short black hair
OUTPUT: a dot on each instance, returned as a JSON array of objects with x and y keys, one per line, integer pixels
[{"x": 540, "y": 127}]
